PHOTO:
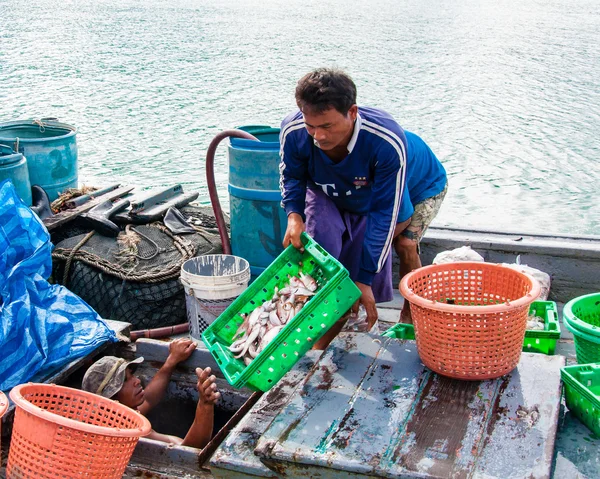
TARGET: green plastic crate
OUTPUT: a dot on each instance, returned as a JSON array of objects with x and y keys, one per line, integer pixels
[
  {"x": 401, "y": 331},
  {"x": 543, "y": 341},
  {"x": 582, "y": 393},
  {"x": 336, "y": 294}
]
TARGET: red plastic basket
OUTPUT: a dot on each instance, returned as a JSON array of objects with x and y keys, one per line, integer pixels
[
  {"x": 65, "y": 432},
  {"x": 469, "y": 318},
  {"x": 3, "y": 408}
]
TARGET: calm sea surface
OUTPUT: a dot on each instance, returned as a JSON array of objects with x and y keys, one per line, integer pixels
[{"x": 507, "y": 93}]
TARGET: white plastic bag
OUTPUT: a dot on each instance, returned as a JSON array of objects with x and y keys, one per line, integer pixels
[
  {"x": 357, "y": 322},
  {"x": 464, "y": 253},
  {"x": 543, "y": 278}
]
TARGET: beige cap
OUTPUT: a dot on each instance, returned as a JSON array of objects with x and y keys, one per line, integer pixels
[{"x": 107, "y": 375}]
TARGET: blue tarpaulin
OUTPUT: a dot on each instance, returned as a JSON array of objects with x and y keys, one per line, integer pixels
[{"x": 42, "y": 326}]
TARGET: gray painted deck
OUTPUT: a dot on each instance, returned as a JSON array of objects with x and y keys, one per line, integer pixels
[{"x": 368, "y": 408}]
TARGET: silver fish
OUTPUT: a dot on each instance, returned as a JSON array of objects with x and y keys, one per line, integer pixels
[
  {"x": 268, "y": 306},
  {"x": 249, "y": 340},
  {"x": 291, "y": 300},
  {"x": 295, "y": 282},
  {"x": 242, "y": 329},
  {"x": 263, "y": 324},
  {"x": 238, "y": 345},
  {"x": 253, "y": 350},
  {"x": 286, "y": 291},
  {"x": 303, "y": 292},
  {"x": 308, "y": 281},
  {"x": 274, "y": 318},
  {"x": 254, "y": 318},
  {"x": 269, "y": 336},
  {"x": 280, "y": 310}
]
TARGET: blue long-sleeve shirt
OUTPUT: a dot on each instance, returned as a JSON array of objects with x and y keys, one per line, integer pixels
[{"x": 369, "y": 181}]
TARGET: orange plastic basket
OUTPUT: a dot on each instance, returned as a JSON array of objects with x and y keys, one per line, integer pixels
[
  {"x": 469, "y": 318},
  {"x": 3, "y": 408},
  {"x": 60, "y": 432}
]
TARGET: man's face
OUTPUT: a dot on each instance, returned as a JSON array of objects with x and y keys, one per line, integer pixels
[
  {"x": 132, "y": 392},
  {"x": 330, "y": 128}
]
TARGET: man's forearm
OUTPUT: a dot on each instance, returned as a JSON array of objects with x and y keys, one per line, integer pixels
[
  {"x": 201, "y": 431},
  {"x": 157, "y": 436},
  {"x": 157, "y": 387}
]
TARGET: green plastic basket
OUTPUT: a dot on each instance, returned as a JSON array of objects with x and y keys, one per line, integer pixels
[
  {"x": 582, "y": 393},
  {"x": 583, "y": 313},
  {"x": 400, "y": 331},
  {"x": 543, "y": 341},
  {"x": 336, "y": 294},
  {"x": 587, "y": 346}
]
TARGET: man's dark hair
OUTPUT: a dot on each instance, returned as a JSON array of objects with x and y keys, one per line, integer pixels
[{"x": 325, "y": 88}]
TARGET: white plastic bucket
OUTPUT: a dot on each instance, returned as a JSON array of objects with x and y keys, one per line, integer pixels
[{"x": 211, "y": 283}]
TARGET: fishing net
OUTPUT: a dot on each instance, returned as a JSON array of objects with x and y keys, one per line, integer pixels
[{"x": 134, "y": 277}]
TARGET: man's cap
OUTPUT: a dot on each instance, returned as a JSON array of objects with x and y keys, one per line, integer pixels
[{"x": 107, "y": 375}]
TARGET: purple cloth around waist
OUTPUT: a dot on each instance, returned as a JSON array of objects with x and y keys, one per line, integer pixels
[{"x": 341, "y": 234}]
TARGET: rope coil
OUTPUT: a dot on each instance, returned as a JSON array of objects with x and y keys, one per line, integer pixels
[{"x": 186, "y": 249}]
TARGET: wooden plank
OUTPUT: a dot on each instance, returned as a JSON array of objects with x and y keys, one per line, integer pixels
[
  {"x": 444, "y": 431},
  {"x": 348, "y": 410},
  {"x": 157, "y": 459},
  {"x": 155, "y": 350},
  {"x": 523, "y": 425},
  {"x": 63, "y": 217},
  {"x": 235, "y": 456},
  {"x": 372, "y": 410},
  {"x": 182, "y": 461},
  {"x": 218, "y": 438}
]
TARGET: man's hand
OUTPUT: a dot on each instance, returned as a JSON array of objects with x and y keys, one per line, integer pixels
[
  {"x": 179, "y": 351},
  {"x": 368, "y": 301},
  {"x": 295, "y": 227},
  {"x": 207, "y": 387},
  {"x": 201, "y": 431}
]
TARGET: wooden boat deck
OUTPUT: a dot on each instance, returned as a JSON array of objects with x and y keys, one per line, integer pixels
[{"x": 369, "y": 408}]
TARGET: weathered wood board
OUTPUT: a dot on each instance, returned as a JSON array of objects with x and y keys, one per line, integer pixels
[
  {"x": 369, "y": 408},
  {"x": 235, "y": 457}
]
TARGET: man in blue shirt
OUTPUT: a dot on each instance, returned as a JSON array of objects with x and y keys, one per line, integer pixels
[{"x": 346, "y": 178}]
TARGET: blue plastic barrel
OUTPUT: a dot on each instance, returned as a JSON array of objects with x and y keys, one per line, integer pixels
[
  {"x": 258, "y": 222},
  {"x": 13, "y": 166},
  {"x": 51, "y": 151}
]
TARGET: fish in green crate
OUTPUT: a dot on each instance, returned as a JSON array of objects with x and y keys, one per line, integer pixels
[
  {"x": 265, "y": 322},
  {"x": 535, "y": 323}
]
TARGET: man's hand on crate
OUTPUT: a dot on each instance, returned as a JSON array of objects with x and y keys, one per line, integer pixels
[
  {"x": 295, "y": 227},
  {"x": 368, "y": 301}
]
